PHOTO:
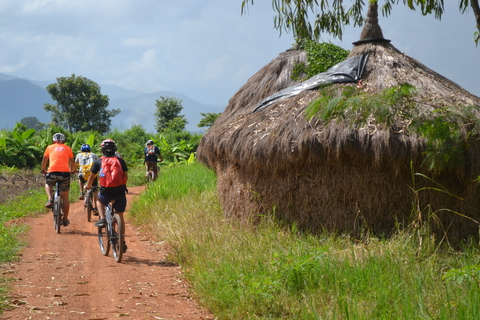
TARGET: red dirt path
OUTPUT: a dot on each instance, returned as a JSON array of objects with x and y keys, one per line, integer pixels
[{"x": 65, "y": 276}]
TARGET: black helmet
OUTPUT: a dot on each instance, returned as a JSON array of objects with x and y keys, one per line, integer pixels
[
  {"x": 108, "y": 147},
  {"x": 59, "y": 137}
]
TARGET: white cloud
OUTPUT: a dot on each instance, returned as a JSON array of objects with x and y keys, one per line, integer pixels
[
  {"x": 138, "y": 42},
  {"x": 203, "y": 49}
]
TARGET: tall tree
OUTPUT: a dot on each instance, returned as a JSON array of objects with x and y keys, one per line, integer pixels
[
  {"x": 331, "y": 16},
  {"x": 80, "y": 105},
  {"x": 32, "y": 123},
  {"x": 208, "y": 119},
  {"x": 168, "y": 108}
]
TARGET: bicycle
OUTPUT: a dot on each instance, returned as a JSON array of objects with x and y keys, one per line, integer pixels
[
  {"x": 88, "y": 204},
  {"x": 150, "y": 175},
  {"x": 112, "y": 235},
  {"x": 57, "y": 208}
]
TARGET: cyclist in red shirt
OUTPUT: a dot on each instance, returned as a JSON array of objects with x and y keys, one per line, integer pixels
[{"x": 61, "y": 163}]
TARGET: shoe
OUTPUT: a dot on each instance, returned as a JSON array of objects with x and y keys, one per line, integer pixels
[
  {"x": 49, "y": 204},
  {"x": 95, "y": 211},
  {"x": 81, "y": 196},
  {"x": 66, "y": 222},
  {"x": 101, "y": 223},
  {"x": 124, "y": 247}
]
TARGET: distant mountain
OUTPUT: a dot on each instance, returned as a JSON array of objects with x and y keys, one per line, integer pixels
[{"x": 20, "y": 98}]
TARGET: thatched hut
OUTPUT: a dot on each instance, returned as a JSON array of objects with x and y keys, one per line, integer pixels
[{"x": 336, "y": 176}]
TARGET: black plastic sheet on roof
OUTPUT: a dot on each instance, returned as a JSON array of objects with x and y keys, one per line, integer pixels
[{"x": 349, "y": 70}]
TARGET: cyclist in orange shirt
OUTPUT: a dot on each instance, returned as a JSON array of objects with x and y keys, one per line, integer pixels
[{"x": 61, "y": 164}]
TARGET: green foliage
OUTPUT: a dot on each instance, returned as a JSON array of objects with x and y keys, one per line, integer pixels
[
  {"x": 167, "y": 109},
  {"x": 320, "y": 58},
  {"x": 270, "y": 272},
  {"x": 176, "y": 124},
  {"x": 80, "y": 105},
  {"x": 208, "y": 119},
  {"x": 449, "y": 131},
  {"x": 130, "y": 142},
  {"x": 178, "y": 151},
  {"x": 17, "y": 149}
]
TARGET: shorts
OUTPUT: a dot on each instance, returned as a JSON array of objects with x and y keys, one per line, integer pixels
[
  {"x": 120, "y": 200},
  {"x": 63, "y": 179},
  {"x": 95, "y": 182}
]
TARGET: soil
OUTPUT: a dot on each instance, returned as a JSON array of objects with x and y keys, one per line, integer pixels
[
  {"x": 65, "y": 276},
  {"x": 14, "y": 184}
]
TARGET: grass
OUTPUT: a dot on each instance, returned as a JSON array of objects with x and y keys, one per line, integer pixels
[{"x": 270, "y": 272}]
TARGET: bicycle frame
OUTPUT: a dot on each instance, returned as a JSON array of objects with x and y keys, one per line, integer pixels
[
  {"x": 57, "y": 208},
  {"x": 88, "y": 203}
]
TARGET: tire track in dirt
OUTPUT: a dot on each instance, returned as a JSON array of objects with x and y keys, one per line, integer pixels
[{"x": 65, "y": 276}]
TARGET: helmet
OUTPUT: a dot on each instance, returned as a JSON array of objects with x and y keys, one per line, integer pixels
[
  {"x": 85, "y": 148},
  {"x": 108, "y": 147},
  {"x": 149, "y": 142},
  {"x": 59, "y": 137}
]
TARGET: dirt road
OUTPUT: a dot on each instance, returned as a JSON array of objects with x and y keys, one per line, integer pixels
[{"x": 65, "y": 276}]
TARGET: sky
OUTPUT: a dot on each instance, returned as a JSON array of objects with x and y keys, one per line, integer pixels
[{"x": 204, "y": 49}]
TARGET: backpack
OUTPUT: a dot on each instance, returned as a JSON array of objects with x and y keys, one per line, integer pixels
[
  {"x": 86, "y": 163},
  {"x": 111, "y": 173},
  {"x": 151, "y": 150}
]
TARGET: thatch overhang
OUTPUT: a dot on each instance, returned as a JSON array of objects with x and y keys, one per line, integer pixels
[{"x": 337, "y": 177}]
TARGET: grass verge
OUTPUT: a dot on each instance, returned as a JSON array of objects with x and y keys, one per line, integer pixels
[{"x": 270, "y": 272}]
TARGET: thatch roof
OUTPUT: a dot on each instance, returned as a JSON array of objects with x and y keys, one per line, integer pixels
[{"x": 336, "y": 176}]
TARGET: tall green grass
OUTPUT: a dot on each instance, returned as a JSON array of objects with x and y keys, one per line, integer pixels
[{"x": 270, "y": 272}]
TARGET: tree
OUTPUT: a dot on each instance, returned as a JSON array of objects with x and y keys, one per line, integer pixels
[
  {"x": 32, "y": 123},
  {"x": 168, "y": 108},
  {"x": 80, "y": 105},
  {"x": 208, "y": 119},
  {"x": 332, "y": 16}
]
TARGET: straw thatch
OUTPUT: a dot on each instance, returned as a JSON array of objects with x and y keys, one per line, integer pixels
[{"x": 337, "y": 177}]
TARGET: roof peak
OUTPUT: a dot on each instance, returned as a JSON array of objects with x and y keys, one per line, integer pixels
[{"x": 371, "y": 31}]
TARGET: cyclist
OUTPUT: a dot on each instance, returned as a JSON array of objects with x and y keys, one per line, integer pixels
[
  {"x": 61, "y": 164},
  {"x": 113, "y": 175},
  {"x": 151, "y": 151},
  {"x": 84, "y": 162}
]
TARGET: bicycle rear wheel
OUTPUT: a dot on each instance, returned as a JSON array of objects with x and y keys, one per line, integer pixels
[
  {"x": 103, "y": 240},
  {"x": 57, "y": 213},
  {"x": 89, "y": 201},
  {"x": 117, "y": 238}
]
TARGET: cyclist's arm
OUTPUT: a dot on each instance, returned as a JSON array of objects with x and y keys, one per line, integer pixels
[
  {"x": 44, "y": 163},
  {"x": 73, "y": 166},
  {"x": 90, "y": 180}
]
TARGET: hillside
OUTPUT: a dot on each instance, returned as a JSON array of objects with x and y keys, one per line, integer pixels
[{"x": 20, "y": 98}]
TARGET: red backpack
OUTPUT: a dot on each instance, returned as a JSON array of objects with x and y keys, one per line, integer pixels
[{"x": 111, "y": 173}]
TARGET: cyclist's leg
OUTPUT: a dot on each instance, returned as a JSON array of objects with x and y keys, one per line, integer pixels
[
  {"x": 102, "y": 201},
  {"x": 64, "y": 186},
  {"x": 155, "y": 170},
  {"x": 95, "y": 194},
  {"x": 147, "y": 166},
  {"x": 81, "y": 183},
  {"x": 49, "y": 184},
  {"x": 120, "y": 205}
]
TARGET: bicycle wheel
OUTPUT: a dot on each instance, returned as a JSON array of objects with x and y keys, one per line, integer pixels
[
  {"x": 103, "y": 240},
  {"x": 89, "y": 201},
  {"x": 57, "y": 213},
  {"x": 117, "y": 238}
]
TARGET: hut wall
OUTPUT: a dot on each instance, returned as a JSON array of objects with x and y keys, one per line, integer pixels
[{"x": 347, "y": 197}]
